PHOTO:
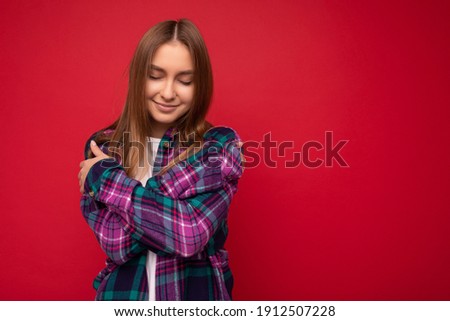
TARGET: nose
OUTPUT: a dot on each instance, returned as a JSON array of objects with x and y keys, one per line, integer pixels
[{"x": 167, "y": 91}]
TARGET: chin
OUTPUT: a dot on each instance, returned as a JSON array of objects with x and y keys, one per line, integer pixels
[{"x": 163, "y": 120}]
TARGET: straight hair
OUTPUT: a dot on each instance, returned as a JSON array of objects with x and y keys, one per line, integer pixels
[{"x": 135, "y": 122}]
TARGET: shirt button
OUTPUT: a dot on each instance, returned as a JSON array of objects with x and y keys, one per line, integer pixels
[
  {"x": 166, "y": 144},
  {"x": 91, "y": 193}
]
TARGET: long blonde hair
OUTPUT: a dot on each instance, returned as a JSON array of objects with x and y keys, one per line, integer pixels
[{"x": 135, "y": 119}]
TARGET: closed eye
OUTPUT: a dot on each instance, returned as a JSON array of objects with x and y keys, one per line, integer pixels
[{"x": 186, "y": 83}]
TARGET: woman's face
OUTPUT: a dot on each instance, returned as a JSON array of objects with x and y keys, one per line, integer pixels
[{"x": 169, "y": 87}]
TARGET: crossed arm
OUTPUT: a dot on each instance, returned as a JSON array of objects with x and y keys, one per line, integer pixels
[{"x": 128, "y": 218}]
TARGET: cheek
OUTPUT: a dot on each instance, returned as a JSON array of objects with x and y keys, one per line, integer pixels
[
  {"x": 150, "y": 89},
  {"x": 187, "y": 94}
]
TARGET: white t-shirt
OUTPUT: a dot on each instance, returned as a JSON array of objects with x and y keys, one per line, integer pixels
[{"x": 151, "y": 257}]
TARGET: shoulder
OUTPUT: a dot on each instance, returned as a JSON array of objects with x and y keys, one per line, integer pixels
[
  {"x": 221, "y": 134},
  {"x": 227, "y": 143}
]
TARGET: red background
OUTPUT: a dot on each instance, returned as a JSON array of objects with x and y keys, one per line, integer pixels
[{"x": 376, "y": 74}]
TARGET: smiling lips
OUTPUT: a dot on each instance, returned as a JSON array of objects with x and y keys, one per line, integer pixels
[{"x": 164, "y": 107}]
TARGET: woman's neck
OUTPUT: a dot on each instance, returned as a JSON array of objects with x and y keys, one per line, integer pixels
[{"x": 158, "y": 130}]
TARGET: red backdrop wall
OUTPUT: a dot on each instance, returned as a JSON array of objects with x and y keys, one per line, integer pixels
[{"x": 375, "y": 74}]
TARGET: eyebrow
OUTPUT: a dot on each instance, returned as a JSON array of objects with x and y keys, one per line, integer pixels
[{"x": 184, "y": 72}]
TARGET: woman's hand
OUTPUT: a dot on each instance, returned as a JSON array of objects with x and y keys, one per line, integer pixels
[{"x": 88, "y": 163}]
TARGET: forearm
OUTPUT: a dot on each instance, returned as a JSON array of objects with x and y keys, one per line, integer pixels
[
  {"x": 109, "y": 231},
  {"x": 165, "y": 224},
  {"x": 178, "y": 212}
]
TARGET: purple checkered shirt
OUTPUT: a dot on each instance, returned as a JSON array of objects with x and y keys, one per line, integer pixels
[{"x": 180, "y": 215}]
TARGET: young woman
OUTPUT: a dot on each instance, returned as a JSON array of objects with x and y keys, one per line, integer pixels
[{"x": 157, "y": 184}]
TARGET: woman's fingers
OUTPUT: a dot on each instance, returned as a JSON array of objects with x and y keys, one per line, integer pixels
[
  {"x": 87, "y": 164},
  {"x": 81, "y": 181},
  {"x": 95, "y": 149},
  {"x": 82, "y": 174}
]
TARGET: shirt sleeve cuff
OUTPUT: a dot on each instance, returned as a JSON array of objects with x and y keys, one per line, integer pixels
[{"x": 97, "y": 172}]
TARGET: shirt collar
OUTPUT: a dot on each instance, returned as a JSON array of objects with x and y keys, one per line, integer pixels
[{"x": 169, "y": 134}]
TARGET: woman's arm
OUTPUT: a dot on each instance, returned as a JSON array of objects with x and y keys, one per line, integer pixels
[
  {"x": 117, "y": 244},
  {"x": 106, "y": 225},
  {"x": 177, "y": 213}
]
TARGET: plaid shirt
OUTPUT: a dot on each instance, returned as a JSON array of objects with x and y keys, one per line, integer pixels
[{"x": 180, "y": 215}]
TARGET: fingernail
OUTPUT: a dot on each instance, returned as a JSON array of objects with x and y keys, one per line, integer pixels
[{"x": 93, "y": 143}]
